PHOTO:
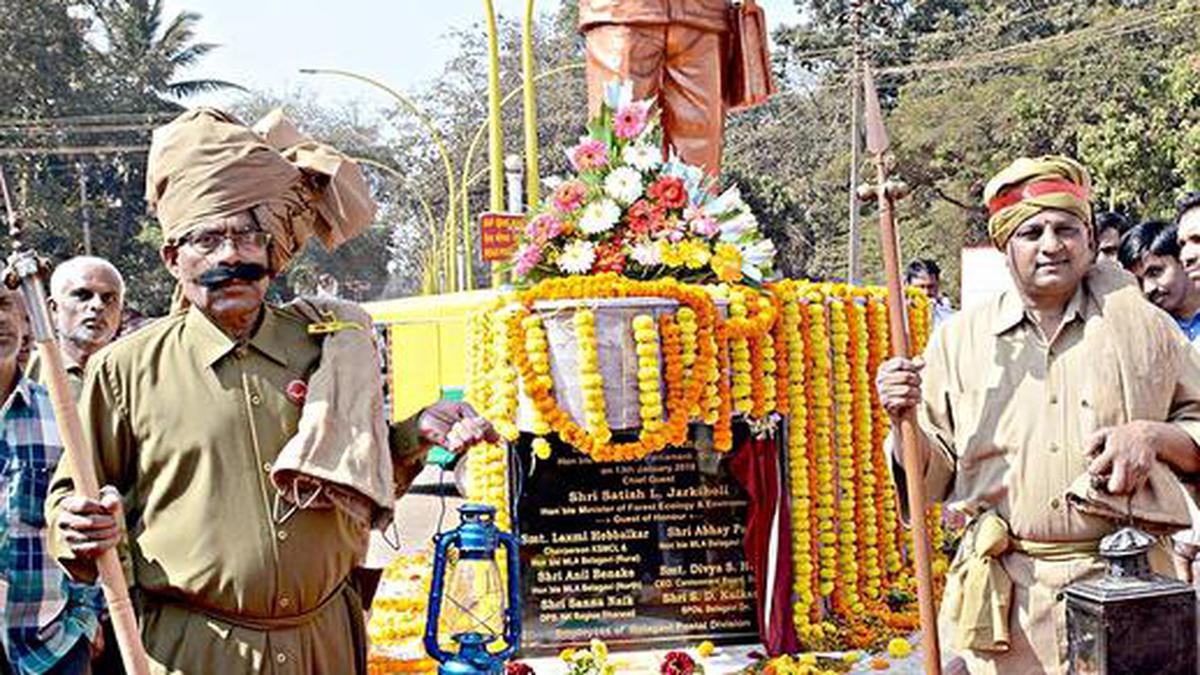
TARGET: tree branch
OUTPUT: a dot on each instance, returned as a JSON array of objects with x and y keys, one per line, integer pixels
[{"x": 960, "y": 204}]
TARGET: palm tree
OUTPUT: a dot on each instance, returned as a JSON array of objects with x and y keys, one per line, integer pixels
[{"x": 146, "y": 53}]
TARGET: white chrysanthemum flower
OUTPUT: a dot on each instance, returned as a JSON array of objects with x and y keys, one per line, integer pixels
[
  {"x": 599, "y": 216},
  {"x": 624, "y": 185},
  {"x": 647, "y": 253},
  {"x": 642, "y": 156},
  {"x": 577, "y": 257}
]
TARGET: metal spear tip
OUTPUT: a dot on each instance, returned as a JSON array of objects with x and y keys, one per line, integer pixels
[{"x": 877, "y": 138}]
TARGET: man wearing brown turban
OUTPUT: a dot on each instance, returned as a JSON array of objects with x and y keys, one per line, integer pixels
[
  {"x": 1049, "y": 412},
  {"x": 194, "y": 419}
]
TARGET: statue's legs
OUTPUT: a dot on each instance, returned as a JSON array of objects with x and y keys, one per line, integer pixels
[{"x": 679, "y": 66}]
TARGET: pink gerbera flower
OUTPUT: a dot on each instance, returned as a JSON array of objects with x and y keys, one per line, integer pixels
[
  {"x": 630, "y": 120},
  {"x": 569, "y": 196},
  {"x": 589, "y": 154},
  {"x": 544, "y": 227}
]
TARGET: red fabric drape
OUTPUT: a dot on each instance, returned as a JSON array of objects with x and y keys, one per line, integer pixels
[{"x": 756, "y": 465}]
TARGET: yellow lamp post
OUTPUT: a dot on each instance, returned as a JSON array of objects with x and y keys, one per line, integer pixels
[
  {"x": 432, "y": 270},
  {"x": 530, "y": 99},
  {"x": 451, "y": 236}
]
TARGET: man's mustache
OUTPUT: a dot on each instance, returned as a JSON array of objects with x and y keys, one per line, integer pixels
[{"x": 222, "y": 274}]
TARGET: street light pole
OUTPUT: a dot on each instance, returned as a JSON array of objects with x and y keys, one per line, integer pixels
[
  {"x": 450, "y": 236},
  {"x": 531, "y": 127}
]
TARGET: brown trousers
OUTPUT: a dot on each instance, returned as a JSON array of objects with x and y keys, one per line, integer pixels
[{"x": 678, "y": 66}]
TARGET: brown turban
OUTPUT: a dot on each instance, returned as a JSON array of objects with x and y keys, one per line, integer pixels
[
  {"x": 1029, "y": 186},
  {"x": 205, "y": 164}
]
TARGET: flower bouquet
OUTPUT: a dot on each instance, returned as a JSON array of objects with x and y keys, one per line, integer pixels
[{"x": 629, "y": 212}]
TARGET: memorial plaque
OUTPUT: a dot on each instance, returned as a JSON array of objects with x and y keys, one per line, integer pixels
[{"x": 643, "y": 554}]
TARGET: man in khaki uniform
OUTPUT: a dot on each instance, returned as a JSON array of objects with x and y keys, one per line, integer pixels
[
  {"x": 187, "y": 416},
  {"x": 1039, "y": 410},
  {"x": 87, "y": 295},
  {"x": 671, "y": 50}
]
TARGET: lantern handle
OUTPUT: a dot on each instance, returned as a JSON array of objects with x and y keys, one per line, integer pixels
[
  {"x": 512, "y": 618},
  {"x": 442, "y": 542}
]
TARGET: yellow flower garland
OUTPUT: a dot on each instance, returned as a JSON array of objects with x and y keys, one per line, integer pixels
[
  {"x": 889, "y": 530},
  {"x": 799, "y": 467},
  {"x": 591, "y": 383},
  {"x": 503, "y": 409},
  {"x": 821, "y": 405},
  {"x": 739, "y": 354},
  {"x": 645, "y": 336},
  {"x": 847, "y": 579},
  {"x": 686, "y": 319},
  {"x": 870, "y": 574}
]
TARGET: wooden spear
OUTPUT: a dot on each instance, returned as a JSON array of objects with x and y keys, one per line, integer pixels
[
  {"x": 27, "y": 272},
  {"x": 886, "y": 192}
]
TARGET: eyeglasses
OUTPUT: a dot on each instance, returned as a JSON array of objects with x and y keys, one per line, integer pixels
[{"x": 209, "y": 242}]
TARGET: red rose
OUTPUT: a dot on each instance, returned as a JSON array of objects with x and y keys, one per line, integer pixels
[
  {"x": 669, "y": 192},
  {"x": 517, "y": 668},
  {"x": 297, "y": 392},
  {"x": 677, "y": 663}
]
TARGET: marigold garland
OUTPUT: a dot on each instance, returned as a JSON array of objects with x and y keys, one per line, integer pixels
[
  {"x": 591, "y": 384},
  {"x": 740, "y": 356},
  {"x": 645, "y": 338},
  {"x": 804, "y": 349},
  {"x": 821, "y": 405},
  {"x": 890, "y": 533},
  {"x": 847, "y": 580}
]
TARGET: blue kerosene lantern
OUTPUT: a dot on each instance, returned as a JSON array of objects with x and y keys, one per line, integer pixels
[{"x": 479, "y": 608}]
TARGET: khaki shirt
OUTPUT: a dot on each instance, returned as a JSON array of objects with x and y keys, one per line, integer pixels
[
  {"x": 1008, "y": 412},
  {"x": 185, "y": 423},
  {"x": 710, "y": 15},
  {"x": 74, "y": 373}
]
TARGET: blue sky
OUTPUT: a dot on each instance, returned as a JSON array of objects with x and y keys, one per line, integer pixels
[{"x": 264, "y": 43}]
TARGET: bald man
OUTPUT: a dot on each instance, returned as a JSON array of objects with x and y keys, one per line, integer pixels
[{"x": 86, "y": 298}]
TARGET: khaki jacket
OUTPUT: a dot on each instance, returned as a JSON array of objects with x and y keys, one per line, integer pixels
[{"x": 711, "y": 15}]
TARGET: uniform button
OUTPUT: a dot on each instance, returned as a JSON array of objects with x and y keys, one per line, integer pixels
[
  {"x": 281, "y": 658},
  {"x": 1053, "y": 448},
  {"x": 267, "y": 467},
  {"x": 1053, "y": 399},
  {"x": 256, "y": 399},
  {"x": 1055, "y": 503},
  {"x": 282, "y": 535},
  {"x": 285, "y": 602}
]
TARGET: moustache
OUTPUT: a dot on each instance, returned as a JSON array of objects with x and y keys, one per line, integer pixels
[{"x": 222, "y": 274}]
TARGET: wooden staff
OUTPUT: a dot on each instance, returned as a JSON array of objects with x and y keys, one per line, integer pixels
[
  {"x": 27, "y": 272},
  {"x": 886, "y": 192}
]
